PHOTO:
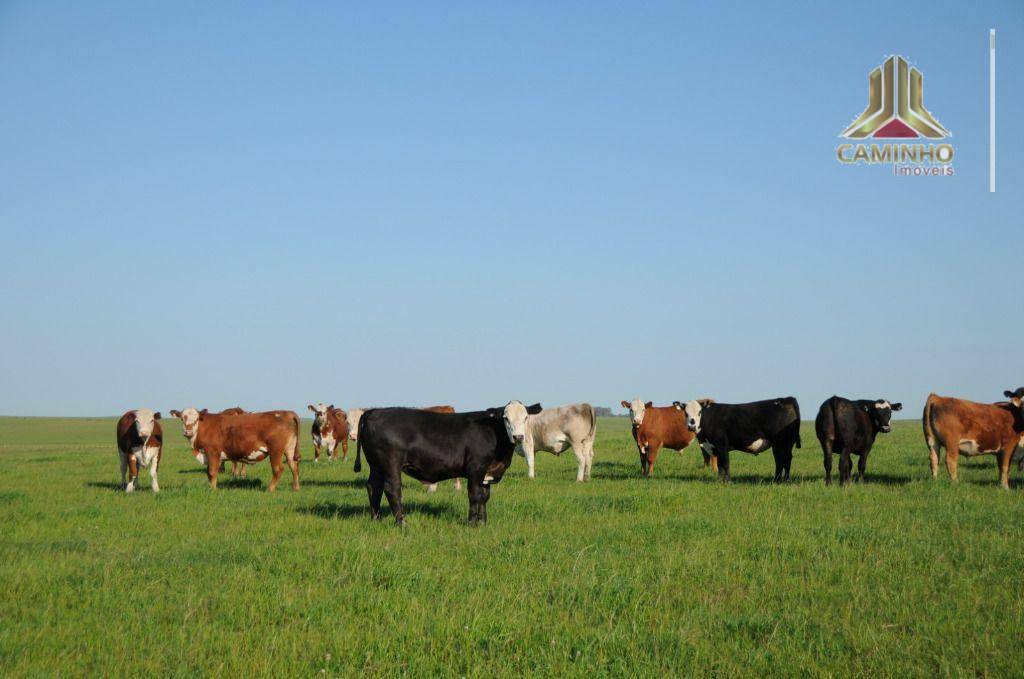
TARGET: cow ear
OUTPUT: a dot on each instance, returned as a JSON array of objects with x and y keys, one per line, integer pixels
[
  {"x": 176, "y": 413},
  {"x": 311, "y": 408},
  {"x": 331, "y": 406},
  {"x": 156, "y": 415},
  {"x": 1008, "y": 394},
  {"x": 897, "y": 406},
  {"x": 534, "y": 409},
  {"x": 678, "y": 405},
  {"x": 625, "y": 405},
  {"x": 866, "y": 408},
  {"x": 649, "y": 404},
  {"x": 203, "y": 413}
]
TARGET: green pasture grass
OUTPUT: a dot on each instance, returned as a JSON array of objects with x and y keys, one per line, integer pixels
[{"x": 622, "y": 576}]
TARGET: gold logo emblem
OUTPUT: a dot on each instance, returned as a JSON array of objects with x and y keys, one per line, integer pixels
[{"x": 895, "y": 106}]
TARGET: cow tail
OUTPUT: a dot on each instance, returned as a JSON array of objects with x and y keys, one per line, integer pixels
[
  {"x": 295, "y": 446},
  {"x": 593, "y": 422},
  {"x": 358, "y": 465},
  {"x": 926, "y": 423},
  {"x": 796, "y": 407}
]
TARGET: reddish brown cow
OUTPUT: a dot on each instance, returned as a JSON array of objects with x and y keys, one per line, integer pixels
[
  {"x": 330, "y": 427},
  {"x": 658, "y": 426},
  {"x": 972, "y": 429},
  {"x": 247, "y": 438},
  {"x": 140, "y": 441}
]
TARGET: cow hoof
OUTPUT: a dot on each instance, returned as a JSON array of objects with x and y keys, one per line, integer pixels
[
  {"x": 129, "y": 488},
  {"x": 156, "y": 489}
]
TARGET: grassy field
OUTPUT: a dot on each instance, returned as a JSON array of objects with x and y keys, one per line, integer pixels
[{"x": 621, "y": 576}]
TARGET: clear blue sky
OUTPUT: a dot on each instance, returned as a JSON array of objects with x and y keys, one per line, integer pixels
[{"x": 224, "y": 204}]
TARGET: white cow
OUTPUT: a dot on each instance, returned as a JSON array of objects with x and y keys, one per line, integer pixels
[{"x": 554, "y": 430}]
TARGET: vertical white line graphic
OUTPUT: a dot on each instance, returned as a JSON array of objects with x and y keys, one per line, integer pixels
[{"x": 992, "y": 110}]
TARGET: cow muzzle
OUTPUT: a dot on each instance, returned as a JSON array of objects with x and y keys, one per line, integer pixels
[{"x": 518, "y": 438}]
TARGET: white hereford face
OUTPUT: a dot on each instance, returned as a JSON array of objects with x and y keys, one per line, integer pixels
[
  {"x": 190, "y": 422},
  {"x": 320, "y": 413},
  {"x": 515, "y": 421},
  {"x": 693, "y": 412},
  {"x": 145, "y": 419},
  {"x": 353, "y": 417},
  {"x": 636, "y": 411}
]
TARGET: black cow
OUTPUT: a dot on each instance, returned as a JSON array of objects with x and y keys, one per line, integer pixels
[
  {"x": 750, "y": 427},
  {"x": 849, "y": 428},
  {"x": 432, "y": 447}
]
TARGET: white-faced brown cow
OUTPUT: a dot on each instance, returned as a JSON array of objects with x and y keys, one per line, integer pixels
[
  {"x": 247, "y": 438},
  {"x": 554, "y": 430},
  {"x": 140, "y": 442},
  {"x": 330, "y": 427},
  {"x": 658, "y": 426},
  {"x": 969, "y": 428}
]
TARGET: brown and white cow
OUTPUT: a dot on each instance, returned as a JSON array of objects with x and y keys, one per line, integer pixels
[
  {"x": 969, "y": 428},
  {"x": 140, "y": 442},
  {"x": 247, "y": 438},
  {"x": 330, "y": 427},
  {"x": 658, "y": 426}
]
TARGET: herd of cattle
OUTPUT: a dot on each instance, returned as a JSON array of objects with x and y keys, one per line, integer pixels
[{"x": 436, "y": 443}]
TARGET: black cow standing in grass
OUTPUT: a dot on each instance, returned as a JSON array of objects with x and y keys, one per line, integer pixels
[
  {"x": 749, "y": 427},
  {"x": 849, "y": 428},
  {"x": 432, "y": 447}
]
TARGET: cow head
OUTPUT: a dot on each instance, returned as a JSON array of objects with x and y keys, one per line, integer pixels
[
  {"x": 693, "y": 411},
  {"x": 190, "y": 419},
  {"x": 145, "y": 422},
  {"x": 514, "y": 416},
  {"x": 1016, "y": 397},
  {"x": 881, "y": 413},
  {"x": 319, "y": 413},
  {"x": 353, "y": 417},
  {"x": 636, "y": 409}
]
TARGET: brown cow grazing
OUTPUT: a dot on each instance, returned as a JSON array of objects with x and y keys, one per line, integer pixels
[
  {"x": 972, "y": 428},
  {"x": 140, "y": 442},
  {"x": 330, "y": 427},
  {"x": 247, "y": 438},
  {"x": 657, "y": 426}
]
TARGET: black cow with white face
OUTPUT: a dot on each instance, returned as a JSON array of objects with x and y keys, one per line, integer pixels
[
  {"x": 432, "y": 447},
  {"x": 748, "y": 427},
  {"x": 849, "y": 428}
]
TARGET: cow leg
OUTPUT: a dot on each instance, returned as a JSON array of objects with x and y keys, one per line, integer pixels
[
  {"x": 334, "y": 452},
  {"x": 1004, "y": 467},
  {"x": 952, "y": 457},
  {"x": 344, "y": 449},
  {"x": 845, "y": 466},
  {"x": 393, "y": 491},
  {"x": 458, "y": 483},
  {"x": 133, "y": 472},
  {"x": 862, "y": 467},
  {"x": 154, "y": 464},
  {"x": 276, "y": 467},
  {"x": 826, "y": 449},
  {"x": 590, "y": 459},
  {"x": 124, "y": 469},
  {"x": 478, "y": 496},
  {"x": 212, "y": 469},
  {"x": 723, "y": 465},
  {"x": 783, "y": 461},
  {"x": 316, "y": 452},
  {"x": 293, "y": 464},
  {"x": 708, "y": 458},
  {"x": 933, "y": 454},
  {"x": 645, "y": 462},
  {"x": 652, "y": 454},
  {"x": 431, "y": 487},
  {"x": 375, "y": 489},
  {"x": 528, "y": 453},
  {"x": 580, "y": 451}
]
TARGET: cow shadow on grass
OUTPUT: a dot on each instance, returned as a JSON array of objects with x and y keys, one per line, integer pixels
[
  {"x": 107, "y": 485},
  {"x": 333, "y": 510},
  {"x": 346, "y": 483}
]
